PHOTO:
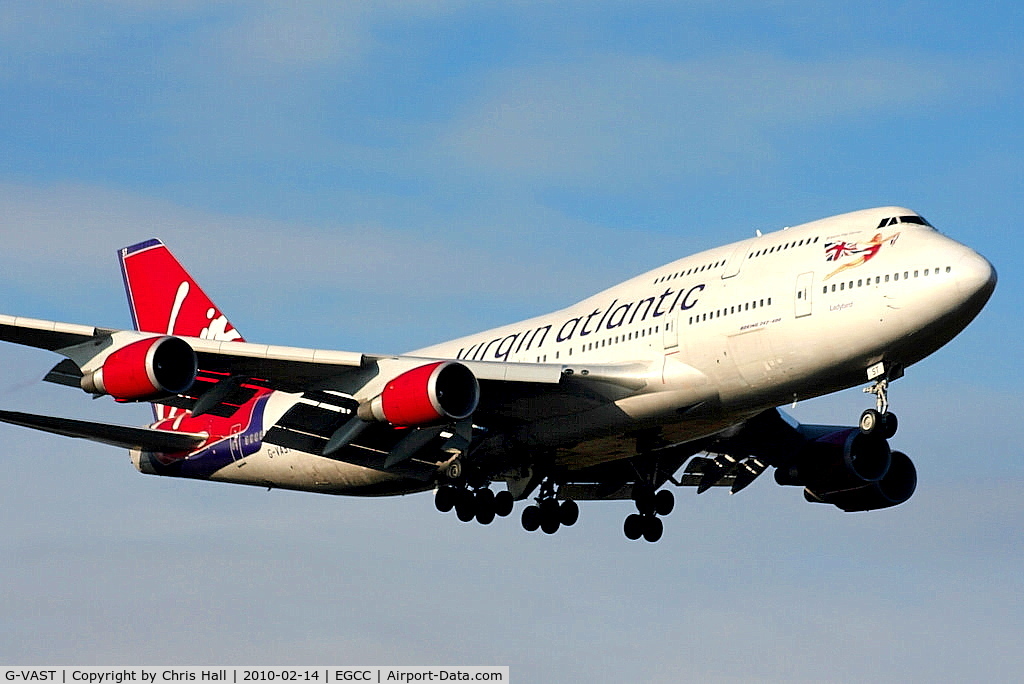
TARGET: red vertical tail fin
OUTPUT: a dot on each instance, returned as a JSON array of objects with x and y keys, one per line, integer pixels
[{"x": 164, "y": 298}]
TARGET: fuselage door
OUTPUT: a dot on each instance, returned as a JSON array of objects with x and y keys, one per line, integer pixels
[
  {"x": 804, "y": 286},
  {"x": 671, "y": 332},
  {"x": 732, "y": 267},
  {"x": 235, "y": 442}
]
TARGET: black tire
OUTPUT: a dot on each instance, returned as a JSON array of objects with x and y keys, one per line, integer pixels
[
  {"x": 634, "y": 526},
  {"x": 664, "y": 502},
  {"x": 503, "y": 503},
  {"x": 549, "y": 517},
  {"x": 568, "y": 512},
  {"x": 444, "y": 499},
  {"x": 889, "y": 425},
  {"x": 485, "y": 516},
  {"x": 653, "y": 529},
  {"x": 644, "y": 498},
  {"x": 531, "y": 518},
  {"x": 870, "y": 421},
  {"x": 484, "y": 499},
  {"x": 465, "y": 506}
]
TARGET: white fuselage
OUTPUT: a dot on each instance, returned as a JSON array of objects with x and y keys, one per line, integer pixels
[{"x": 725, "y": 333}]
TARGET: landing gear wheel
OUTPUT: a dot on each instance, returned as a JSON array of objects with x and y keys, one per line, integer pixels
[
  {"x": 531, "y": 518},
  {"x": 653, "y": 528},
  {"x": 485, "y": 516},
  {"x": 444, "y": 499},
  {"x": 568, "y": 512},
  {"x": 503, "y": 503},
  {"x": 870, "y": 421},
  {"x": 644, "y": 498},
  {"x": 465, "y": 506},
  {"x": 484, "y": 499},
  {"x": 889, "y": 425},
  {"x": 549, "y": 516},
  {"x": 483, "y": 502},
  {"x": 634, "y": 526},
  {"x": 464, "y": 511},
  {"x": 664, "y": 502}
]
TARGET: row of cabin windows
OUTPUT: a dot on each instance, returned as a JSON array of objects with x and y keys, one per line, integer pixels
[
  {"x": 608, "y": 341},
  {"x": 878, "y": 280},
  {"x": 690, "y": 271},
  {"x": 739, "y": 308},
  {"x": 779, "y": 248}
]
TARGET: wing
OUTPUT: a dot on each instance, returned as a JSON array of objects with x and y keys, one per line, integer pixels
[
  {"x": 230, "y": 371},
  {"x": 105, "y": 433}
]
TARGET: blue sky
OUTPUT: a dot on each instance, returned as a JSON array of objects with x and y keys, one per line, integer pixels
[{"x": 382, "y": 176}]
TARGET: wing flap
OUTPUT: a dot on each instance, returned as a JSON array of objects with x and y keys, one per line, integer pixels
[{"x": 105, "y": 433}]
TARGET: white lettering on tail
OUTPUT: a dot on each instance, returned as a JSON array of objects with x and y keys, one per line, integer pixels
[{"x": 179, "y": 299}]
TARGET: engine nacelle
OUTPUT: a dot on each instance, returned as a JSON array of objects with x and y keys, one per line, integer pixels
[
  {"x": 430, "y": 394},
  {"x": 894, "y": 488},
  {"x": 148, "y": 369},
  {"x": 838, "y": 461}
]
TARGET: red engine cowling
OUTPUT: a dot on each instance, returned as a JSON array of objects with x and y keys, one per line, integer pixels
[
  {"x": 152, "y": 368},
  {"x": 433, "y": 393}
]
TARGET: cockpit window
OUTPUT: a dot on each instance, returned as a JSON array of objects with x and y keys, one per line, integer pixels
[
  {"x": 915, "y": 219},
  {"x": 893, "y": 220}
]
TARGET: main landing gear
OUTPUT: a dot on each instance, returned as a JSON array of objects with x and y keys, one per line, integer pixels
[
  {"x": 480, "y": 503},
  {"x": 650, "y": 504},
  {"x": 548, "y": 514}
]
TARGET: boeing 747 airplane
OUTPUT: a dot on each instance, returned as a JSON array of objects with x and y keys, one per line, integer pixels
[{"x": 670, "y": 378}]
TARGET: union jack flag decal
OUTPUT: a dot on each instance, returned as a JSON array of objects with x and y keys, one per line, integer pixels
[
  {"x": 837, "y": 250},
  {"x": 860, "y": 254}
]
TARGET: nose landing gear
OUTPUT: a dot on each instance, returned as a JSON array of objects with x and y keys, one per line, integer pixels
[{"x": 879, "y": 421}]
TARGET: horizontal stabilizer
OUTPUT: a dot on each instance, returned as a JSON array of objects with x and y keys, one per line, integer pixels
[{"x": 115, "y": 435}]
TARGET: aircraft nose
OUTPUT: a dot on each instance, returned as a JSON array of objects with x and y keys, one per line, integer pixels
[{"x": 975, "y": 278}]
